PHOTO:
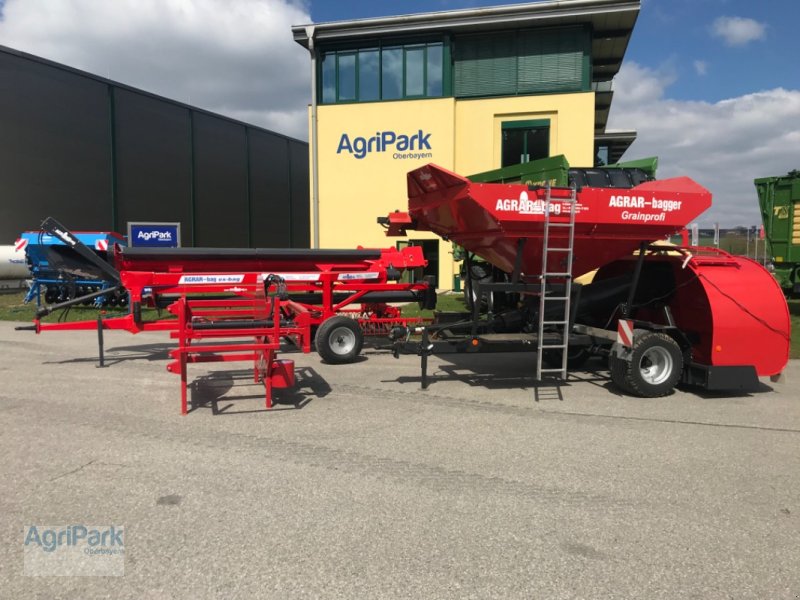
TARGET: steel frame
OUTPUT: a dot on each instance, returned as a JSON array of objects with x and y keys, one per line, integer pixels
[{"x": 217, "y": 331}]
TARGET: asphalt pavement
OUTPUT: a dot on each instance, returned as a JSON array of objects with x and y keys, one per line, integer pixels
[{"x": 358, "y": 484}]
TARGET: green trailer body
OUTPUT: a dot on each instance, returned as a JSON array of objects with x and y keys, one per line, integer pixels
[
  {"x": 553, "y": 170},
  {"x": 779, "y": 200}
]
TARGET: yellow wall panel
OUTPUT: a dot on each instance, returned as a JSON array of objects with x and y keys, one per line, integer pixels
[
  {"x": 363, "y": 158},
  {"x": 479, "y": 128}
]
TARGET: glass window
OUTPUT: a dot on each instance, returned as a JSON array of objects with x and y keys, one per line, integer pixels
[
  {"x": 435, "y": 64},
  {"x": 415, "y": 71},
  {"x": 368, "y": 75},
  {"x": 392, "y": 73},
  {"x": 347, "y": 77},
  {"x": 329, "y": 77},
  {"x": 524, "y": 141}
]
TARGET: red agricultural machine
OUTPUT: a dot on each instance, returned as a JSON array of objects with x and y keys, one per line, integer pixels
[
  {"x": 338, "y": 296},
  {"x": 663, "y": 315}
]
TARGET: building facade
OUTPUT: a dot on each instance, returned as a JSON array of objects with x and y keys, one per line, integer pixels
[{"x": 469, "y": 90}]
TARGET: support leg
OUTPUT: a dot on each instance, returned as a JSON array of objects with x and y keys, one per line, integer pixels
[
  {"x": 100, "y": 341},
  {"x": 424, "y": 358},
  {"x": 270, "y": 355},
  {"x": 184, "y": 402}
]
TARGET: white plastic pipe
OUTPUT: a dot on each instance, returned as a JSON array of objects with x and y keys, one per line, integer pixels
[{"x": 12, "y": 263}]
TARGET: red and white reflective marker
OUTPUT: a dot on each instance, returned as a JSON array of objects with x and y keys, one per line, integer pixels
[
  {"x": 20, "y": 244},
  {"x": 625, "y": 333},
  {"x": 101, "y": 245}
]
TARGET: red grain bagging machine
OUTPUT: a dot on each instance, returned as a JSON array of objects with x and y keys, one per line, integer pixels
[{"x": 663, "y": 315}]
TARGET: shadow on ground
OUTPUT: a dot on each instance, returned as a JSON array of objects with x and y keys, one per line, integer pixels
[{"x": 221, "y": 390}]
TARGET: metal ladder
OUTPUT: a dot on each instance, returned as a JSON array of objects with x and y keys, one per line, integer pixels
[{"x": 548, "y": 253}]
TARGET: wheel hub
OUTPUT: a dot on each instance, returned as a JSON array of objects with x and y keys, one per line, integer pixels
[
  {"x": 656, "y": 365},
  {"x": 343, "y": 340}
]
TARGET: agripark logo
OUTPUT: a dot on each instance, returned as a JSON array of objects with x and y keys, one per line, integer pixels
[
  {"x": 161, "y": 236},
  {"x": 74, "y": 550},
  {"x": 402, "y": 146}
]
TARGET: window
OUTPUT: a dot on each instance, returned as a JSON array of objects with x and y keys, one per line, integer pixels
[
  {"x": 328, "y": 68},
  {"x": 434, "y": 70},
  {"x": 392, "y": 73},
  {"x": 369, "y": 76},
  {"x": 522, "y": 62},
  {"x": 524, "y": 141},
  {"x": 415, "y": 71},
  {"x": 385, "y": 72},
  {"x": 347, "y": 77}
]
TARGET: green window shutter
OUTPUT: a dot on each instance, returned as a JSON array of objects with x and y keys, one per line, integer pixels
[
  {"x": 552, "y": 60},
  {"x": 485, "y": 65}
]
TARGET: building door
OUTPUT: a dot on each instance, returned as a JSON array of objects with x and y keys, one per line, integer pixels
[
  {"x": 524, "y": 141},
  {"x": 430, "y": 249}
]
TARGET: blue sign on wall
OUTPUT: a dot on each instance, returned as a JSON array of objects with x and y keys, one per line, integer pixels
[{"x": 154, "y": 235}]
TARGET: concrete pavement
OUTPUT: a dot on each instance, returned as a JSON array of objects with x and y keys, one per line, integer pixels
[{"x": 359, "y": 484}]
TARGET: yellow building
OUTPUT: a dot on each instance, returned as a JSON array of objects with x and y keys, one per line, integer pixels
[{"x": 469, "y": 90}]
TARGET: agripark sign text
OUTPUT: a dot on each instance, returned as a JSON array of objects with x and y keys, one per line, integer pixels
[
  {"x": 400, "y": 145},
  {"x": 154, "y": 235}
]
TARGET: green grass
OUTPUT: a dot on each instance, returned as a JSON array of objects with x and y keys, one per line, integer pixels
[
  {"x": 12, "y": 309},
  {"x": 447, "y": 302},
  {"x": 794, "y": 311}
]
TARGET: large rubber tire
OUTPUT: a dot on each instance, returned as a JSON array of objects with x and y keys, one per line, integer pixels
[
  {"x": 654, "y": 368},
  {"x": 481, "y": 274},
  {"x": 339, "y": 340}
]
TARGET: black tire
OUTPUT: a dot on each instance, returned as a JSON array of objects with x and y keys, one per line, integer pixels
[
  {"x": 339, "y": 340},
  {"x": 654, "y": 368},
  {"x": 576, "y": 358},
  {"x": 480, "y": 274},
  {"x": 618, "y": 368}
]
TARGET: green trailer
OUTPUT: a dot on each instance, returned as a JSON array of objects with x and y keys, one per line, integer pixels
[
  {"x": 779, "y": 199},
  {"x": 556, "y": 171}
]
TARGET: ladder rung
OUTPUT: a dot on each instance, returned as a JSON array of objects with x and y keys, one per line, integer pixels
[
  {"x": 546, "y": 298},
  {"x": 554, "y": 322},
  {"x": 551, "y": 224},
  {"x": 551, "y": 370},
  {"x": 553, "y": 346},
  {"x": 548, "y": 274},
  {"x": 558, "y": 249}
]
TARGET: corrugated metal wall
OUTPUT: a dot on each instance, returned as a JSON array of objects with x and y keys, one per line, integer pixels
[{"x": 95, "y": 154}]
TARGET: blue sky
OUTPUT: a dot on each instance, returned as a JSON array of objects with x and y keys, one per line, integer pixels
[
  {"x": 674, "y": 37},
  {"x": 712, "y": 87}
]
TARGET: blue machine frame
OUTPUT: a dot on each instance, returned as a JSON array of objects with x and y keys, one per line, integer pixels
[{"x": 52, "y": 281}]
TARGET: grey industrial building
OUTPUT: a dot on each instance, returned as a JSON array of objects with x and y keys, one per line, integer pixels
[{"x": 96, "y": 154}]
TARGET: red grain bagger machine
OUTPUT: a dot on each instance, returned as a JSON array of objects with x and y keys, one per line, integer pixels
[
  {"x": 663, "y": 315},
  {"x": 224, "y": 311}
]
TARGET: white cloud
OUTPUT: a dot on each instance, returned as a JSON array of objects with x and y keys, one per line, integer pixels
[
  {"x": 722, "y": 145},
  {"x": 700, "y": 67},
  {"x": 738, "y": 31},
  {"x": 235, "y": 57}
]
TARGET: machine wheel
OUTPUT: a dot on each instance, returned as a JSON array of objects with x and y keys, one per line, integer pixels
[
  {"x": 478, "y": 273},
  {"x": 339, "y": 340},
  {"x": 576, "y": 357},
  {"x": 654, "y": 369}
]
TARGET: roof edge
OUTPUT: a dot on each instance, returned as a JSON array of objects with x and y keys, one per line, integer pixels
[{"x": 531, "y": 11}]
